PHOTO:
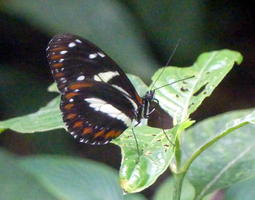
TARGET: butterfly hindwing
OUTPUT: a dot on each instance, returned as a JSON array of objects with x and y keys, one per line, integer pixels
[
  {"x": 73, "y": 58},
  {"x": 96, "y": 112}
]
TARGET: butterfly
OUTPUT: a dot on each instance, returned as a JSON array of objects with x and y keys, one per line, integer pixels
[{"x": 98, "y": 101}]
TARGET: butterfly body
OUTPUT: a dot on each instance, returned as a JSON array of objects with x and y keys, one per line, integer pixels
[{"x": 98, "y": 102}]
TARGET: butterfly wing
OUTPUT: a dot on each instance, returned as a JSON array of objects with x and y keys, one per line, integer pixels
[
  {"x": 73, "y": 59},
  {"x": 159, "y": 118},
  {"x": 95, "y": 112}
]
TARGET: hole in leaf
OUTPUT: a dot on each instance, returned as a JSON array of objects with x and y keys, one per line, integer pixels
[{"x": 200, "y": 90}]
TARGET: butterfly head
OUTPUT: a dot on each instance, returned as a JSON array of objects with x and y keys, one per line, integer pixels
[{"x": 148, "y": 100}]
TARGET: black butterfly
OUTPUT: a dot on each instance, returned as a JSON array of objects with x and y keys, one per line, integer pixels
[{"x": 98, "y": 101}]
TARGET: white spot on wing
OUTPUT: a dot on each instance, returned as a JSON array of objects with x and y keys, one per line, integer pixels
[
  {"x": 61, "y": 59},
  {"x": 102, "y": 106},
  {"x": 71, "y": 44},
  {"x": 81, "y": 78},
  {"x": 63, "y": 80},
  {"x": 106, "y": 142},
  {"x": 105, "y": 76},
  {"x": 92, "y": 55},
  {"x": 77, "y": 40},
  {"x": 63, "y": 52},
  {"x": 101, "y": 54}
]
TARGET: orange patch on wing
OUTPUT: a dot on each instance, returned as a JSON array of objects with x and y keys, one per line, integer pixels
[
  {"x": 56, "y": 57},
  {"x": 99, "y": 133},
  {"x": 80, "y": 85},
  {"x": 68, "y": 106},
  {"x": 59, "y": 49},
  {"x": 139, "y": 99},
  {"x": 77, "y": 124},
  {"x": 70, "y": 95},
  {"x": 59, "y": 74},
  {"x": 71, "y": 116},
  {"x": 113, "y": 134},
  {"x": 87, "y": 131},
  {"x": 57, "y": 65}
]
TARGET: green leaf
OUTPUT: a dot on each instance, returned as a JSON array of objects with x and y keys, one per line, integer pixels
[
  {"x": 241, "y": 191},
  {"x": 46, "y": 118},
  {"x": 55, "y": 178},
  {"x": 156, "y": 153},
  {"x": 17, "y": 183},
  {"x": 183, "y": 98},
  {"x": 166, "y": 190},
  {"x": 226, "y": 162},
  {"x": 107, "y": 23},
  {"x": 134, "y": 197},
  {"x": 53, "y": 88},
  {"x": 69, "y": 178},
  {"x": 140, "y": 86}
]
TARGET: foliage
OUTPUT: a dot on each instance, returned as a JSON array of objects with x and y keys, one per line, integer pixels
[
  {"x": 230, "y": 159},
  {"x": 215, "y": 154}
]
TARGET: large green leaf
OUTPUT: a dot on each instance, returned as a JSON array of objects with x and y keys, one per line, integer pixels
[
  {"x": 46, "y": 118},
  {"x": 138, "y": 172},
  {"x": 228, "y": 161},
  {"x": 182, "y": 98},
  {"x": 69, "y": 178},
  {"x": 56, "y": 178},
  {"x": 166, "y": 190},
  {"x": 241, "y": 191},
  {"x": 105, "y": 22},
  {"x": 134, "y": 197},
  {"x": 17, "y": 183}
]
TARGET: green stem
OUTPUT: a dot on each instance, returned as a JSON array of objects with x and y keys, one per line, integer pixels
[
  {"x": 178, "y": 185},
  {"x": 179, "y": 174},
  {"x": 177, "y": 155},
  {"x": 202, "y": 148}
]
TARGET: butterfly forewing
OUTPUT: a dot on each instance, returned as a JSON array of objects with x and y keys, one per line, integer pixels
[{"x": 73, "y": 58}]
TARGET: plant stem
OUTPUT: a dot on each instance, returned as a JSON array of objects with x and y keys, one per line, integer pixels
[
  {"x": 179, "y": 173},
  {"x": 177, "y": 176},
  {"x": 205, "y": 146},
  {"x": 177, "y": 154},
  {"x": 178, "y": 185}
]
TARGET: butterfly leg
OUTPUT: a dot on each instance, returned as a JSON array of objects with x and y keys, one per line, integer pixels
[{"x": 136, "y": 142}]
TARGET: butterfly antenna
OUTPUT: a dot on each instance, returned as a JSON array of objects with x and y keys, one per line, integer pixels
[
  {"x": 174, "y": 82},
  {"x": 167, "y": 63}
]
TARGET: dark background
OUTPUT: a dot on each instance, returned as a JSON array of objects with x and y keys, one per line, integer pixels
[{"x": 140, "y": 35}]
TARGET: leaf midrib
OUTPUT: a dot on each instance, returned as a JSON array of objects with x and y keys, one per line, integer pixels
[{"x": 224, "y": 169}]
